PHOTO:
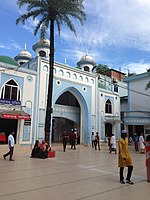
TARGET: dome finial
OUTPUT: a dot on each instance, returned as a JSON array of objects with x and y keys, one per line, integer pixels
[
  {"x": 86, "y": 51},
  {"x": 25, "y": 46}
]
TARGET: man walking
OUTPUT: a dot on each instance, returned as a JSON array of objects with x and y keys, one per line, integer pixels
[
  {"x": 93, "y": 139},
  {"x": 124, "y": 158},
  {"x": 65, "y": 140},
  {"x": 97, "y": 142},
  {"x": 73, "y": 139},
  {"x": 11, "y": 143}
]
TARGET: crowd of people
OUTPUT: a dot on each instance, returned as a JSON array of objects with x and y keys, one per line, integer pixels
[
  {"x": 139, "y": 142},
  {"x": 40, "y": 150}
]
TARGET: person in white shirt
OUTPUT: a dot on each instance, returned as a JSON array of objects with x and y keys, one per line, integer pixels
[
  {"x": 11, "y": 144},
  {"x": 93, "y": 139},
  {"x": 113, "y": 144},
  {"x": 141, "y": 144}
]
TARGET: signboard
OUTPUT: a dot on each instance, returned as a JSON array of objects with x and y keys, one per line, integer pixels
[
  {"x": 15, "y": 116},
  {"x": 9, "y": 116},
  {"x": 26, "y": 117},
  {"x": 27, "y": 122},
  {"x": 8, "y": 101}
]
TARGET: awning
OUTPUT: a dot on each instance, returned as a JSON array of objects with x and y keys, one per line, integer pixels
[{"x": 13, "y": 114}]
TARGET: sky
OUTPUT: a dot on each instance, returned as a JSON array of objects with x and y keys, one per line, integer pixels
[{"x": 116, "y": 33}]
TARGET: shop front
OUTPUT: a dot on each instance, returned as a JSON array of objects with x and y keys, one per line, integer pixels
[{"x": 9, "y": 121}]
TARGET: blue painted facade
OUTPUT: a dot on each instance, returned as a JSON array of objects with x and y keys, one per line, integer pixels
[{"x": 82, "y": 85}]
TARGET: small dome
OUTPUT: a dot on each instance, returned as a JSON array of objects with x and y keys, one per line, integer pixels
[
  {"x": 44, "y": 43},
  {"x": 25, "y": 53},
  {"x": 86, "y": 59}
]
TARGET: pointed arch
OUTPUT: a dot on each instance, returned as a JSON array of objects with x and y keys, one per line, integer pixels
[
  {"x": 108, "y": 106},
  {"x": 11, "y": 90}
]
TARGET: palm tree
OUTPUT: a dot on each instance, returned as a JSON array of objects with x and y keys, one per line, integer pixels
[
  {"x": 148, "y": 84},
  {"x": 50, "y": 12}
]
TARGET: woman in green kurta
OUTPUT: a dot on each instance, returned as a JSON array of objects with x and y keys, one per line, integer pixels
[{"x": 124, "y": 158}]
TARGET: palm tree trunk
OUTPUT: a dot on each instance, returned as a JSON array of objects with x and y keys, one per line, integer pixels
[{"x": 50, "y": 85}]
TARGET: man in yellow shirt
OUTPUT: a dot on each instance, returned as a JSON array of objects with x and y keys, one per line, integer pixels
[{"x": 124, "y": 158}]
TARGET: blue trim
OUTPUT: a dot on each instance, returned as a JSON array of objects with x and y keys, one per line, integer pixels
[{"x": 84, "y": 101}]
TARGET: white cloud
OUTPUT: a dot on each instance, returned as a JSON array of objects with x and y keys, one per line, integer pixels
[
  {"x": 123, "y": 23},
  {"x": 139, "y": 67},
  {"x": 11, "y": 45},
  {"x": 110, "y": 24}
]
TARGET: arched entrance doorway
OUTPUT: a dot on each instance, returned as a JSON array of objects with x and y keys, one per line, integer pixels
[
  {"x": 108, "y": 129},
  {"x": 66, "y": 116}
]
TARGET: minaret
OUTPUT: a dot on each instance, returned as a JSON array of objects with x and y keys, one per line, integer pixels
[
  {"x": 86, "y": 63},
  {"x": 42, "y": 47}
]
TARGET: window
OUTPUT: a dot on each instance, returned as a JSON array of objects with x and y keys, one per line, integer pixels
[
  {"x": 115, "y": 88},
  {"x": 80, "y": 78},
  {"x": 86, "y": 80},
  {"x": 108, "y": 107},
  {"x": 68, "y": 74},
  {"x": 21, "y": 63},
  {"x": 61, "y": 72},
  {"x": 11, "y": 91},
  {"x": 86, "y": 68},
  {"x": 74, "y": 76},
  {"x": 42, "y": 53}
]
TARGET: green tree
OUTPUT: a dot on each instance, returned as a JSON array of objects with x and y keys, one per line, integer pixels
[
  {"x": 102, "y": 69},
  {"x": 51, "y": 12}
]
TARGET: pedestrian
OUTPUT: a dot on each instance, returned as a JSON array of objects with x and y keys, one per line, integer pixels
[
  {"x": 11, "y": 144},
  {"x": 93, "y": 139},
  {"x": 70, "y": 137},
  {"x": 141, "y": 144},
  {"x": 136, "y": 140},
  {"x": 73, "y": 139},
  {"x": 97, "y": 142},
  {"x": 109, "y": 139},
  {"x": 75, "y": 131},
  {"x": 113, "y": 144},
  {"x": 124, "y": 158},
  {"x": 65, "y": 140}
]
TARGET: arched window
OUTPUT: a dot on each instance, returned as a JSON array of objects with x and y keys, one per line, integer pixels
[
  {"x": 108, "y": 107},
  {"x": 21, "y": 63},
  {"x": 11, "y": 91},
  {"x": 42, "y": 53}
]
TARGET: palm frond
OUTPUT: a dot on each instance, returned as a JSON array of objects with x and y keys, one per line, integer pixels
[
  {"x": 147, "y": 86},
  {"x": 23, "y": 18},
  {"x": 21, "y": 3}
]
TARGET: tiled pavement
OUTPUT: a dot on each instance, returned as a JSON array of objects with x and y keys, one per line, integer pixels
[{"x": 71, "y": 175}]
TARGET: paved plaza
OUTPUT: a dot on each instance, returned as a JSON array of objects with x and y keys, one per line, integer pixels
[{"x": 72, "y": 175}]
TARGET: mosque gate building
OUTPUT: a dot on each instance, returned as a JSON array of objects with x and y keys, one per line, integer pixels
[{"x": 81, "y": 99}]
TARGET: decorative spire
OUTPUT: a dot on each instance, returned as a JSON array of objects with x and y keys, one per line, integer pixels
[
  {"x": 65, "y": 61},
  {"x": 86, "y": 51},
  {"x": 25, "y": 46}
]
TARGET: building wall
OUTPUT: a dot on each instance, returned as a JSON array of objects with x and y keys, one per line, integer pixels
[
  {"x": 138, "y": 113},
  {"x": 26, "y": 83},
  {"x": 33, "y": 80}
]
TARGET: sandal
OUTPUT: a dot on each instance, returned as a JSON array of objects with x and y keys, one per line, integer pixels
[
  {"x": 122, "y": 182},
  {"x": 130, "y": 182}
]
